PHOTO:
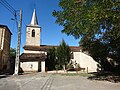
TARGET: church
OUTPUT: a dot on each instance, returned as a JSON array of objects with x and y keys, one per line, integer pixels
[{"x": 35, "y": 55}]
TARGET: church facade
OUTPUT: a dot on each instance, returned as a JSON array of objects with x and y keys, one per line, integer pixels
[
  {"x": 31, "y": 59},
  {"x": 34, "y": 56}
]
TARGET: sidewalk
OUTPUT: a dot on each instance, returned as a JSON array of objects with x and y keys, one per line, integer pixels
[{"x": 64, "y": 72}]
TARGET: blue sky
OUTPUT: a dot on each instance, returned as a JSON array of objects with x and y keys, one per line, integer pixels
[{"x": 51, "y": 32}]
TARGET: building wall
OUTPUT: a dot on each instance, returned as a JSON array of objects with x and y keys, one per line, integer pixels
[
  {"x": 85, "y": 61},
  {"x": 5, "y": 38},
  {"x": 0, "y": 59},
  {"x": 1, "y": 48},
  {"x": 28, "y": 51},
  {"x": 35, "y": 41},
  {"x": 37, "y": 65},
  {"x": 1, "y": 37},
  {"x": 29, "y": 66}
]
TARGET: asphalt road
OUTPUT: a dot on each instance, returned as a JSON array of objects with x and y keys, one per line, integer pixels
[{"x": 40, "y": 81}]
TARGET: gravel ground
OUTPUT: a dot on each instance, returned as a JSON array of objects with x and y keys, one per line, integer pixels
[
  {"x": 81, "y": 83},
  {"x": 40, "y": 81}
]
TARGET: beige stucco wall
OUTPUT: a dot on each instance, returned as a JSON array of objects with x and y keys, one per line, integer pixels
[
  {"x": 85, "y": 61},
  {"x": 35, "y": 41},
  {"x": 42, "y": 66},
  {"x": 28, "y": 51},
  {"x": 29, "y": 66},
  {"x": 26, "y": 66}
]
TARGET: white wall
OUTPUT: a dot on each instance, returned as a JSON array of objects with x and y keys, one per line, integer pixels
[
  {"x": 42, "y": 66},
  {"x": 85, "y": 61},
  {"x": 38, "y": 52},
  {"x": 29, "y": 66}
]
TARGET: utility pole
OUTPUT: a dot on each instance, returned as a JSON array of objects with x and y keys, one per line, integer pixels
[{"x": 17, "y": 60}]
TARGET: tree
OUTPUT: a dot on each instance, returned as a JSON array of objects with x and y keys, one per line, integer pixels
[
  {"x": 12, "y": 59},
  {"x": 12, "y": 53},
  {"x": 96, "y": 22},
  {"x": 84, "y": 19},
  {"x": 51, "y": 59},
  {"x": 58, "y": 57},
  {"x": 63, "y": 54}
]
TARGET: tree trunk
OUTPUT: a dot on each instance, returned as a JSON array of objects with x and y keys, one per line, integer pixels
[{"x": 64, "y": 68}]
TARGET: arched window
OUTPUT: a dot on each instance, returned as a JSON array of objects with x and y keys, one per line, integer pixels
[{"x": 33, "y": 33}]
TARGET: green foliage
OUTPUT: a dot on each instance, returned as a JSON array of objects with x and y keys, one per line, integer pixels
[
  {"x": 96, "y": 22},
  {"x": 84, "y": 19},
  {"x": 57, "y": 67},
  {"x": 12, "y": 53},
  {"x": 63, "y": 54},
  {"x": 51, "y": 59},
  {"x": 57, "y": 57},
  {"x": 77, "y": 74}
]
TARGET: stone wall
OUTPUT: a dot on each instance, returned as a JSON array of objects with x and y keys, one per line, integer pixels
[
  {"x": 5, "y": 38},
  {"x": 35, "y": 41},
  {"x": 0, "y": 59}
]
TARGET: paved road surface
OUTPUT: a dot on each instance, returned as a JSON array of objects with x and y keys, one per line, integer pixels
[{"x": 39, "y": 81}]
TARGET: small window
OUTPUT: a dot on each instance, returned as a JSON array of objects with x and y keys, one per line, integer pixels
[{"x": 33, "y": 33}]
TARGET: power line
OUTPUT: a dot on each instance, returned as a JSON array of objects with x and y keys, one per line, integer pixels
[
  {"x": 19, "y": 25},
  {"x": 8, "y": 7},
  {"x": 11, "y": 9}
]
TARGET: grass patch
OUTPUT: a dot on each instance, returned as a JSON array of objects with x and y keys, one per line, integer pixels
[{"x": 74, "y": 74}]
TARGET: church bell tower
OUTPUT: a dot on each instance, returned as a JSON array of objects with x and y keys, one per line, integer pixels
[{"x": 33, "y": 32}]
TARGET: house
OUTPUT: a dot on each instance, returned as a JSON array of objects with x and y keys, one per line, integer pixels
[
  {"x": 5, "y": 39},
  {"x": 34, "y": 56}
]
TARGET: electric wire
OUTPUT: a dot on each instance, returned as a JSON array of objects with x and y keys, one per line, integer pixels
[
  {"x": 12, "y": 10},
  {"x": 8, "y": 7}
]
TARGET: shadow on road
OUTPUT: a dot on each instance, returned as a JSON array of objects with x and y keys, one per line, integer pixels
[
  {"x": 4, "y": 76},
  {"x": 105, "y": 76}
]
